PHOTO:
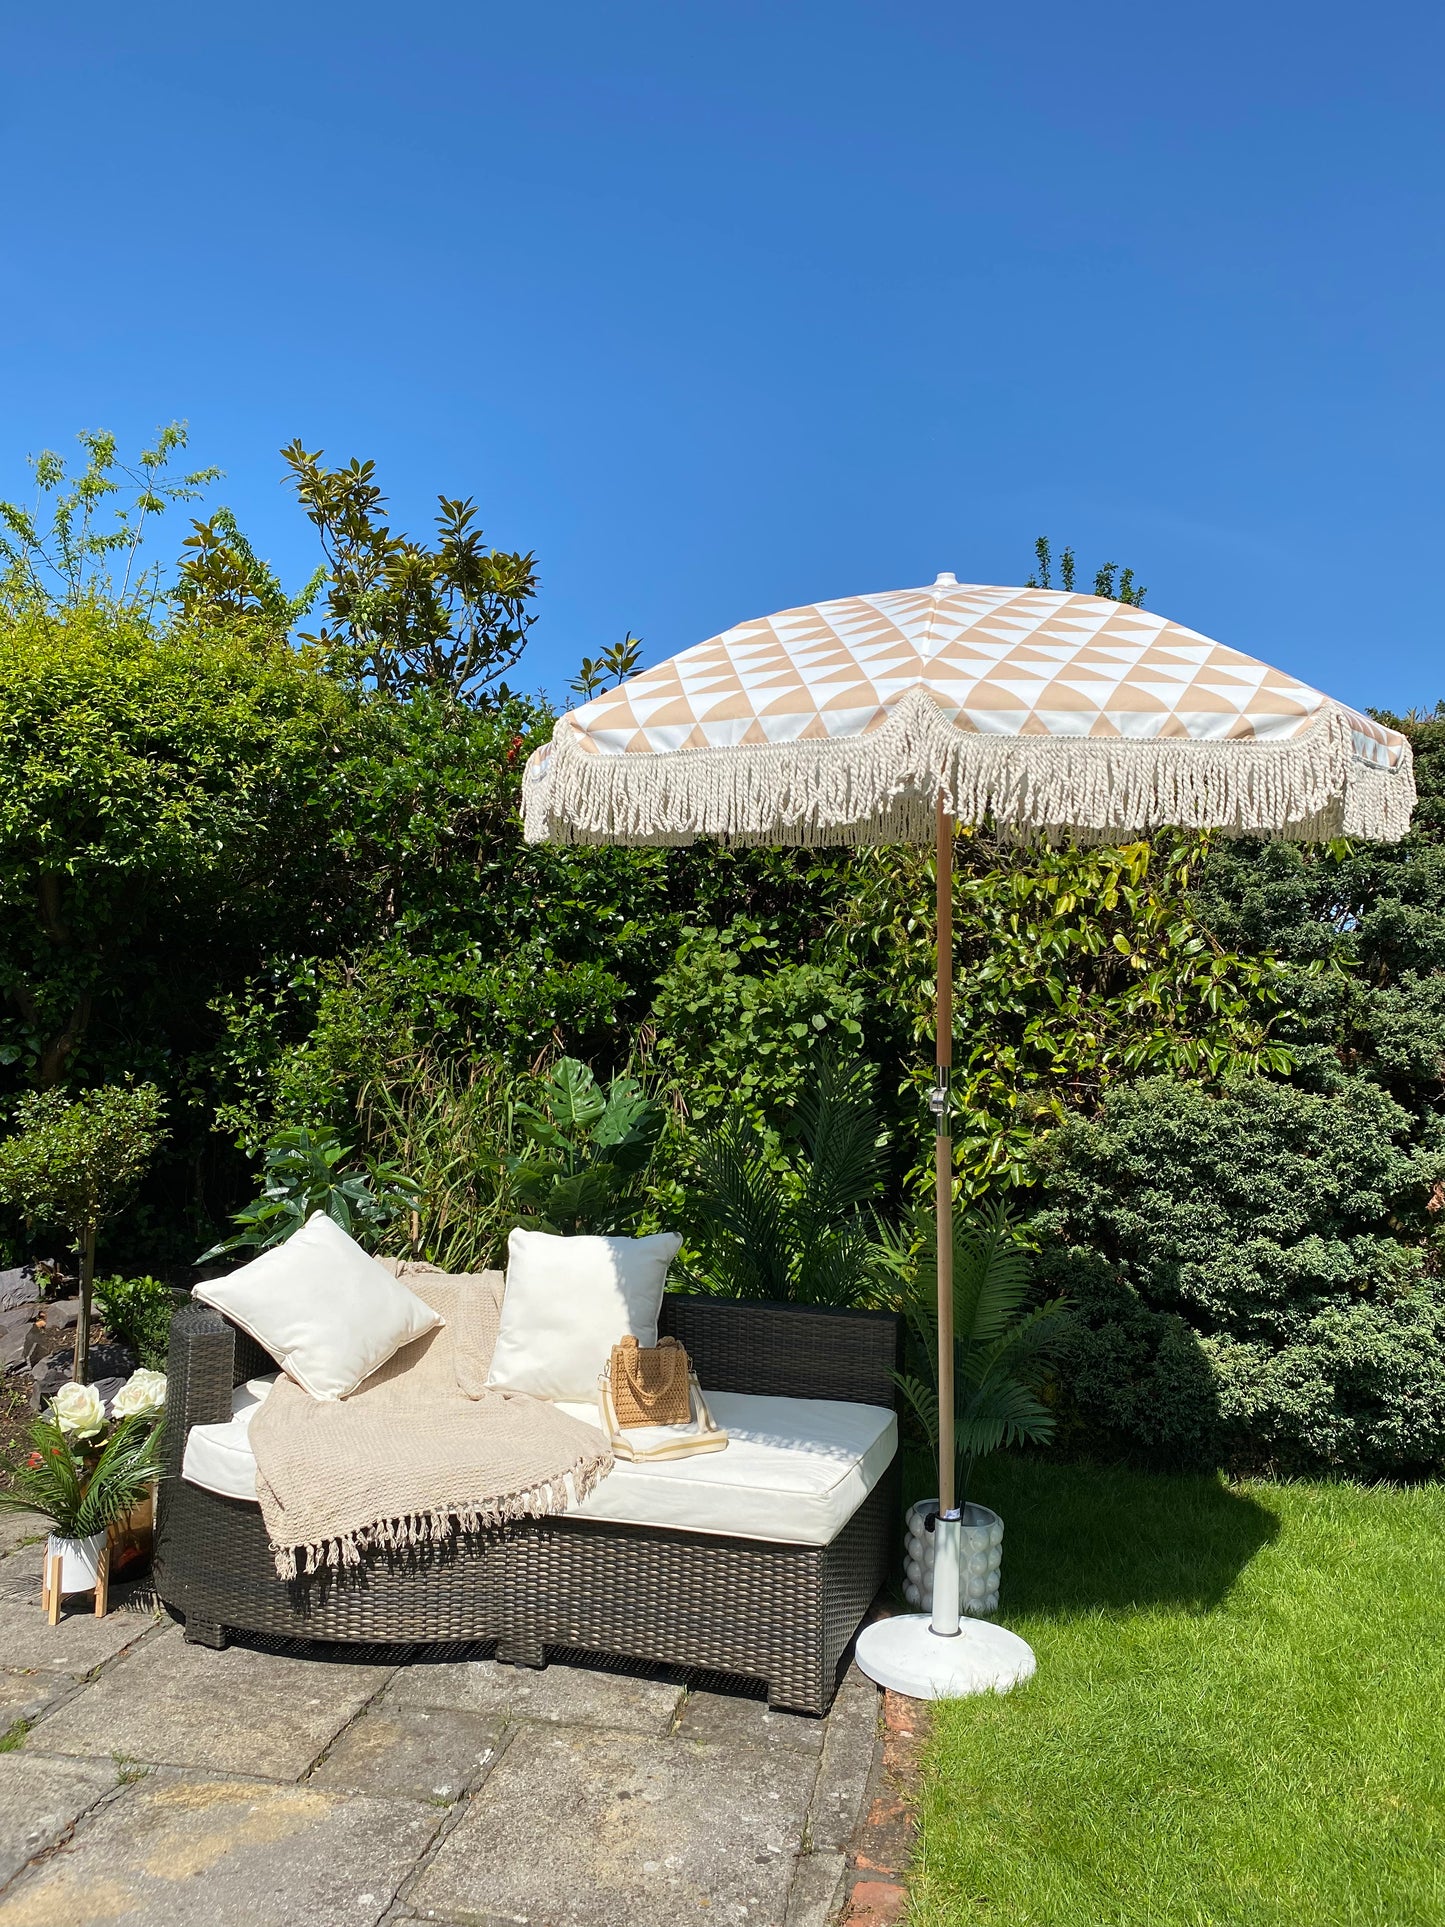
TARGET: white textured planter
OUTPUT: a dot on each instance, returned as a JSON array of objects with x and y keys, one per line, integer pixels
[
  {"x": 982, "y": 1557},
  {"x": 79, "y": 1560}
]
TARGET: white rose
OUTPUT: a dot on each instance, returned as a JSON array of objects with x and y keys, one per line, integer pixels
[
  {"x": 78, "y": 1409},
  {"x": 143, "y": 1392}
]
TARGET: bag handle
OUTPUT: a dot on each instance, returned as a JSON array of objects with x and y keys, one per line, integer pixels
[{"x": 631, "y": 1361}]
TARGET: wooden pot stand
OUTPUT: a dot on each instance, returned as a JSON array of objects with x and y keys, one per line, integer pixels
[{"x": 51, "y": 1595}]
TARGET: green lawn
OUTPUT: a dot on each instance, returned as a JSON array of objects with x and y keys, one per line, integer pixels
[{"x": 1238, "y": 1717}]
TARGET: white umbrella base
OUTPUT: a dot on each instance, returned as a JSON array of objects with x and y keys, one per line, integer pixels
[{"x": 907, "y": 1656}]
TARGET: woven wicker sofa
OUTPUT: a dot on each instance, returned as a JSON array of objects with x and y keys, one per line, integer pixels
[{"x": 783, "y": 1613}]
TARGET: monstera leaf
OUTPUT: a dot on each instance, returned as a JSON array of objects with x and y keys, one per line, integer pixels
[{"x": 585, "y": 1148}]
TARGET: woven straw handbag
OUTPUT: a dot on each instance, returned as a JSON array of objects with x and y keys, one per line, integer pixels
[
  {"x": 655, "y": 1385},
  {"x": 650, "y": 1382}
]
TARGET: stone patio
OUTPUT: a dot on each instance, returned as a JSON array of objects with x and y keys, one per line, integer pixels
[{"x": 147, "y": 1783}]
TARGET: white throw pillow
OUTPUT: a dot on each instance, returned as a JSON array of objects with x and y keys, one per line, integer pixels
[
  {"x": 568, "y": 1301},
  {"x": 325, "y": 1311}
]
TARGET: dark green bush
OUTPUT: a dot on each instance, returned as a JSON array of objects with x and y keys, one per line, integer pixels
[
  {"x": 1252, "y": 1271},
  {"x": 138, "y": 1312}
]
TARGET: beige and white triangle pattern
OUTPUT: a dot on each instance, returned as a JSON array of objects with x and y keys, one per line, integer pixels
[
  {"x": 1036, "y": 710},
  {"x": 995, "y": 661}
]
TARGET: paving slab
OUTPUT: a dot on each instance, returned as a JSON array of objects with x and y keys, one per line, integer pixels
[
  {"x": 168, "y": 1663},
  {"x": 81, "y": 1642},
  {"x": 231, "y": 1712},
  {"x": 847, "y": 1760},
  {"x": 417, "y": 1752},
  {"x": 569, "y": 1695},
  {"x": 20, "y": 1573},
  {"x": 177, "y": 1850},
  {"x": 586, "y": 1829},
  {"x": 817, "y": 1893},
  {"x": 25, "y": 1696},
  {"x": 728, "y": 1720},
  {"x": 41, "y": 1799},
  {"x": 20, "y": 1529}
]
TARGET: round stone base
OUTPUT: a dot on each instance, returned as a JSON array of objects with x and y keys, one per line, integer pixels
[{"x": 904, "y": 1655}]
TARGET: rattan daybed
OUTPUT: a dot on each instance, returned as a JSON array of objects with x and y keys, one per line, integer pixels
[{"x": 783, "y": 1613}]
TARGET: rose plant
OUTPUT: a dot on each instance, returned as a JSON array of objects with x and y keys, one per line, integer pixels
[
  {"x": 142, "y": 1395},
  {"x": 83, "y": 1467},
  {"x": 79, "y": 1410}
]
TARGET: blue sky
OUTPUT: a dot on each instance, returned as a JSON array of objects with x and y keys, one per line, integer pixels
[{"x": 722, "y": 308}]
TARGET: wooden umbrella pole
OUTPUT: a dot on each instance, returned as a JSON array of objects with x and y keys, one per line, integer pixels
[{"x": 943, "y": 1151}]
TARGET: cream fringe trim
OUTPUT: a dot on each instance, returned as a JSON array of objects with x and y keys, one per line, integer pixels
[
  {"x": 882, "y": 788},
  {"x": 416, "y": 1529}
]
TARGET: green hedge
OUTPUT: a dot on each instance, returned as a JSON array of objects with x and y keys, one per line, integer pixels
[{"x": 1253, "y": 1272}]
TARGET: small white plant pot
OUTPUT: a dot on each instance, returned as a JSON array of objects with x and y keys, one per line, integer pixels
[
  {"x": 982, "y": 1558},
  {"x": 79, "y": 1560}
]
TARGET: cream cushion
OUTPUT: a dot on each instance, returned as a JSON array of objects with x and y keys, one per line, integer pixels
[
  {"x": 218, "y": 1457},
  {"x": 795, "y": 1469},
  {"x": 329, "y": 1314},
  {"x": 568, "y": 1301}
]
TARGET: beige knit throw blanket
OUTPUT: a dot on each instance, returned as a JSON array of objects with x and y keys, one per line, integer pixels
[{"x": 420, "y": 1450}]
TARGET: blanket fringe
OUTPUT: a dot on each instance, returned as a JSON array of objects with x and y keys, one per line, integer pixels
[
  {"x": 1327, "y": 781},
  {"x": 415, "y": 1530}
]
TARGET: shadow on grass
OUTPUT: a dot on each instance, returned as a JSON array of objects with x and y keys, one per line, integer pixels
[{"x": 1083, "y": 1537}]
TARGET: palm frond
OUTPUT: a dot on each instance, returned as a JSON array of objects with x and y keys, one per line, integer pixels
[
  {"x": 922, "y": 1397},
  {"x": 130, "y": 1462},
  {"x": 844, "y": 1148},
  {"x": 53, "y": 1487},
  {"x": 1000, "y": 1412},
  {"x": 1028, "y": 1345},
  {"x": 990, "y": 1275},
  {"x": 53, "y": 1478},
  {"x": 1001, "y": 1348},
  {"x": 742, "y": 1212},
  {"x": 839, "y": 1265}
]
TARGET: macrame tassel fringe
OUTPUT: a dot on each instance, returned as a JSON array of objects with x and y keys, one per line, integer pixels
[
  {"x": 882, "y": 788},
  {"x": 415, "y": 1530}
]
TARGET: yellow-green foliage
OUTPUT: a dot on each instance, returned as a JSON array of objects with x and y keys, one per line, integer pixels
[
  {"x": 1074, "y": 970},
  {"x": 155, "y": 783}
]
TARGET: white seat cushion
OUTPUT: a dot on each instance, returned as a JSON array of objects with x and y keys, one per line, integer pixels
[
  {"x": 218, "y": 1457},
  {"x": 795, "y": 1469}
]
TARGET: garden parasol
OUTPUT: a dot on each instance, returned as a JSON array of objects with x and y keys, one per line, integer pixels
[{"x": 887, "y": 719}]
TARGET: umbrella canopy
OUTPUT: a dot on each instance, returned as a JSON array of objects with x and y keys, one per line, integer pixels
[{"x": 1047, "y": 712}]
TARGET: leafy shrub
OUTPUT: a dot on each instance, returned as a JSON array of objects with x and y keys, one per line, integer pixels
[
  {"x": 1251, "y": 1270},
  {"x": 1075, "y": 970},
  {"x": 166, "y": 808},
  {"x": 303, "y": 1172},
  {"x": 739, "y": 1024},
  {"x": 138, "y": 1312},
  {"x": 303, "y": 1051},
  {"x": 587, "y": 1149}
]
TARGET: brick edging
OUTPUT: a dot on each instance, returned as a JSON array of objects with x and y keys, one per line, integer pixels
[{"x": 881, "y": 1854}]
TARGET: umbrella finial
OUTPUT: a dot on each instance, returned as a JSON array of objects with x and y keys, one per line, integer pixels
[{"x": 948, "y": 580}]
